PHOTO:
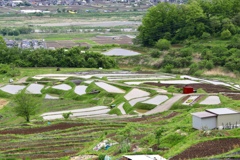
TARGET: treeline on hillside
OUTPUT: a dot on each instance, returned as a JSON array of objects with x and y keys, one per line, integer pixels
[
  {"x": 198, "y": 56},
  {"x": 197, "y": 18},
  {"x": 74, "y": 57}
]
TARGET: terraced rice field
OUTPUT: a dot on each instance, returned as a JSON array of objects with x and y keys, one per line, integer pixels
[
  {"x": 34, "y": 88},
  {"x": 156, "y": 100},
  {"x": 136, "y": 93},
  {"x": 64, "y": 87},
  {"x": 12, "y": 89},
  {"x": 109, "y": 88},
  {"x": 211, "y": 100},
  {"x": 87, "y": 112},
  {"x": 51, "y": 141}
]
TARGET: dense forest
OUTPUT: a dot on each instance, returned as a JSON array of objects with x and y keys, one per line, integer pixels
[
  {"x": 74, "y": 57},
  {"x": 209, "y": 30}
]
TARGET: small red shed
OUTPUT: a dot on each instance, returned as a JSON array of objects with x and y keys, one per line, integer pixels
[{"x": 187, "y": 89}]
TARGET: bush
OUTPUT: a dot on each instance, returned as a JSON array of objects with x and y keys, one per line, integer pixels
[
  {"x": 163, "y": 44},
  {"x": 226, "y": 34},
  {"x": 205, "y": 35},
  {"x": 67, "y": 115},
  {"x": 155, "y": 54}
]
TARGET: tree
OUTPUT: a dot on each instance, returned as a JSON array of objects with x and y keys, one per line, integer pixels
[
  {"x": 163, "y": 44},
  {"x": 226, "y": 34},
  {"x": 26, "y": 105},
  {"x": 158, "y": 135}
]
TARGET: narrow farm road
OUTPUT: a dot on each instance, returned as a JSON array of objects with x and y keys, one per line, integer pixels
[{"x": 166, "y": 105}]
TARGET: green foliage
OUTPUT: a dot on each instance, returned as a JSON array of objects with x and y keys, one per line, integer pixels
[
  {"x": 144, "y": 106},
  {"x": 155, "y": 53},
  {"x": 67, "y": 115},
  {"x": 26, "y": 105},
  {"x": 205, "y": 35},
  {"x": 56, "y": 58},
  {"x": 158, "y": 134},
  {"x": 163, "y": 44},
  {"x": 115, "y": 111},
  {"x": 198, "y": 19},
  {"x": 226, "y": 34}
]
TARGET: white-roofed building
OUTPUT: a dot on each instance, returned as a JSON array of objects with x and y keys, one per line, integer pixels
[
  {"x": 216, "y": 118},
  {"x": 31, "y": 11},
  {"x": 204, "y": 120},
  {"x": 142, "y": 157},
  {"x": 225, "y": 115}
]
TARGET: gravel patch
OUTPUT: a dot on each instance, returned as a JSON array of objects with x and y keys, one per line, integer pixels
[
  {"x": 80, "y": 90},
  {"x": 136, "y": 100},
  {"x": 109, "y": 88},
  {"x": 12, "y": 89},
  {"x": 157, "y": 100},
  {"x": 34, "y": 88},
  {"x": 51, "y": 97},
  {"x": 211, "y": 100},
  {"x": 190, "y": 100},
  {"x": 120, "y": 52},
  {"x": 178, "y": 82},
  {"x": 136, "y": 93},
  {"x": 64, "y": 87},
  {"x": 120, "y": 107}
]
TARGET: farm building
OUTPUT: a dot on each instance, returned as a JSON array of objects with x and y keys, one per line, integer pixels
[
  {"x": 204, "y": 120},
  {"x": 225, "y": 115},
  {"x": 215, "y": 118},
  {"x": 31, "y": 11},
  {"x": 142, "y": 157},
  {"x": 187, "y": 89}
]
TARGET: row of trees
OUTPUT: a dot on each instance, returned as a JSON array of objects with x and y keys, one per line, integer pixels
[
  {"x": 54, "y": 58},
  {"x": 178, "y": 22},
  {"x": 15, "y": 31}
]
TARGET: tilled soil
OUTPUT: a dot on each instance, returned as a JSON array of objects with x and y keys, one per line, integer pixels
[
  {"x": 209, "y": 88},
  {"x": 59, "y": 126},
  {"x": 208, "y": 148}
]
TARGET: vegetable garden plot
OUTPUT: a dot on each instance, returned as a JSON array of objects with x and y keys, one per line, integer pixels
[
  {"x": 34, "y": 88},
  {"x": 136, "y": 93},
  {"x": 190, "y": 100},
  {"x": 80, "y": 90},
  {"x": 211, "y": 100},
  {"x": 157, "y": 100},
  {"x": 12, "y": 89},
  {"x": 109, "y": 88},
  {"x": 64, "y": 87}
]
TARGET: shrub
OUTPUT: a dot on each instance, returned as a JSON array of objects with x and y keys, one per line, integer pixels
[
  {"x": 205, "y": 35},
  {"x": 226, "y": 34},
  {"x": 155, "y": 54},
  {"x": 163, "y": 44},
  {"x": 67, "y": 115}
]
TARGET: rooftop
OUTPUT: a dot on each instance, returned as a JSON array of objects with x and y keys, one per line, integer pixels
[
  {"x": 221, "y": 111},
  {"x": 204, "y": 114}
]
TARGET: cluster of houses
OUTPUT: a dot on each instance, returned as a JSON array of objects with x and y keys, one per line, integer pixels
[{"x": 26, "y": 44}]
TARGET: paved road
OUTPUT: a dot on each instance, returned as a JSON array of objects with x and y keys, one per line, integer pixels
[{"x": 165, "y": 106}]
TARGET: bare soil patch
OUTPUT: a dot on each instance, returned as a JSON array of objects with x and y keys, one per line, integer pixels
[
  {"x": 209, "y": 88},
  {"x": 233, "y": 96},
  {"x": 59, "y": 126},
  {"x": 3, "y": 102},
  {"x": 113, "y": 40},
  {"x": 208, "y": 148}
]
